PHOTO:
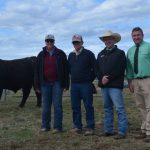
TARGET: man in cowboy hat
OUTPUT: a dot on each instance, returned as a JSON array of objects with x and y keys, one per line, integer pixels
[{"x": 111, "y": 63}]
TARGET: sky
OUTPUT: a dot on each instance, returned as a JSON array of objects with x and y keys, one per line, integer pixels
[{"x": 24, "y": 24}]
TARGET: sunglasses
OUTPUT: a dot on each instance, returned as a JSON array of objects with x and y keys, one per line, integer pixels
[
  {"x": 76, "y": 42},
  {"x": 49, "y": 40}
]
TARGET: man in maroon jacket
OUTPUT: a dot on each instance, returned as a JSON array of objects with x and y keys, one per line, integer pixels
[{"x": 51, "y": 77}]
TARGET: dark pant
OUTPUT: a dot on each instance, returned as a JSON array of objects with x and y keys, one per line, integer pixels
[
  {"x": 83, "y": 91},
  {"x": 52, "y": 93},
  {"x": 113, "y": 97}
]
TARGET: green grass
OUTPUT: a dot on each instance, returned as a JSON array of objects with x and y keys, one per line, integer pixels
[{"x": 19, "y": 128}]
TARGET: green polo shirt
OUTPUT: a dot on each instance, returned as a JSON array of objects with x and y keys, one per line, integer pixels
[{"x": 143, "y": 61}]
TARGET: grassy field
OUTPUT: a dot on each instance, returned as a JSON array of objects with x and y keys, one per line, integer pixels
[{"x": 19, "y": 128}]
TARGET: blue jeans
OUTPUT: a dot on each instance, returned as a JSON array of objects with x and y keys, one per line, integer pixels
[
  {"x": 52, "y": 93},
  {"x": 83, "y": 91},
  {"x": 113, "y": 96}
]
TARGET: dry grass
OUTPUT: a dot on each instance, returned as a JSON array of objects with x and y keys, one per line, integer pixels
[{"x": 19, "y": 128}]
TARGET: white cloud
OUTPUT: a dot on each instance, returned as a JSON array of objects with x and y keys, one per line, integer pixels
[{"x": 24, "y": 24}]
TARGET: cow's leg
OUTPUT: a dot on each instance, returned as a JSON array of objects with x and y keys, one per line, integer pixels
[
  {"x": 39, "y": 101},
  {"x": 26, "y": 92},
  {"x": 1, "y": 91}
]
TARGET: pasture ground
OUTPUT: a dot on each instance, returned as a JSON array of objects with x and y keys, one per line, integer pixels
[{"x": 20, "y": 128}]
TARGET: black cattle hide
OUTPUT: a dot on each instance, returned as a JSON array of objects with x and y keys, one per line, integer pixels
[{"x": 18, "y": 74}]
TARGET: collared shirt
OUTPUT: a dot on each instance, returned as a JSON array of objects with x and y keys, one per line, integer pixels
[
  {"x": 51, "y": 52},
  {"x": 78, "y": 52},
  {"x": 109, "y": 49},
  {"x": 143, "y": 61}
]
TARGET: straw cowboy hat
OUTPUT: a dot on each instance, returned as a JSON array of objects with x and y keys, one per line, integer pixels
[{"x": 109, "y": 33}]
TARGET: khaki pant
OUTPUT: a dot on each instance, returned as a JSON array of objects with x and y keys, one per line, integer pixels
[{"x": 142, "y": 98}]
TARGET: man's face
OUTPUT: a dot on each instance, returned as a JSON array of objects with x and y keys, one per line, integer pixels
[
  {"x": 49, "y": 43},
  {"x": 109, "y": 41},
  {"x": 77, "y": 45},
  {"x": 137, "y": 37}
]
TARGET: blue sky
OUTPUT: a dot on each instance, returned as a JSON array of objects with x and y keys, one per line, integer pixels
[{"x": 24, "y": 24}]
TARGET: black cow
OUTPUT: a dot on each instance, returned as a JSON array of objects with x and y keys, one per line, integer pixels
[{"x": 18, "y": 74}]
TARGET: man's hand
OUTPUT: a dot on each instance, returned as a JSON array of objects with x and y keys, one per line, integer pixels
[
  {"x": 66, "y": 91},
  {"x": 130, "y": 85},
  {"x": 105, "y": 80},
  {"x": 37, "y": 90}
]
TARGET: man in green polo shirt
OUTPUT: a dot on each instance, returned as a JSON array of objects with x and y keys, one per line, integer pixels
[{"x": 138, "y": 75}]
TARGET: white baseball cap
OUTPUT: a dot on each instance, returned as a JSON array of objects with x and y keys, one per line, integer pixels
[
  {"x": 49, "y": 37},
  {"x": 77, "y": 38}
]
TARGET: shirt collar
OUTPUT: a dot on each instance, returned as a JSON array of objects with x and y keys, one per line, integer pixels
[
  {"x": 78, "y": 52},
  {"x": 109, "y": 49},
  {"x": 52, "y": 52},
  {"x": 139, "y": 44}
]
